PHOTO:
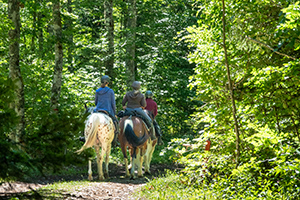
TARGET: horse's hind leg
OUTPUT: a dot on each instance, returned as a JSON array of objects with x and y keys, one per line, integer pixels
[
  {"x": 133, "y": 164},
  {"x": 108, "y": 150},
  {"x": 123, "y": 148},
  {"x": 100, "y": 161},
  {"x": 139, "y": 160},
  {"x": 90, "y": 170}
]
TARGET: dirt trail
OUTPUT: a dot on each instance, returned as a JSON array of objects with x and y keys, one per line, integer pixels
[{"x": 116, "y": 187}]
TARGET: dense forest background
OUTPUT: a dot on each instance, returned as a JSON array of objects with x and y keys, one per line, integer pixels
[{"x": 224, "y": 71}]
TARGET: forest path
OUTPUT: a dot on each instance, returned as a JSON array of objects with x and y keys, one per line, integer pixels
[{"x": 116, "y": 187}]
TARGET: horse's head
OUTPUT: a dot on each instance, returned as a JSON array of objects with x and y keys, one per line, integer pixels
[{"x": 88, "y": 110}]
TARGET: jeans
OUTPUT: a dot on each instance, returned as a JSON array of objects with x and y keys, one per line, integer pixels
[{"x": 141, "y": 112}]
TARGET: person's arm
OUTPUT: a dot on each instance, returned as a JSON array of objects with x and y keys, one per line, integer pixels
[
  {"x": 124, "y": 101},
  {"x": 96, "y": 98},
  {"x": 155, "y": 109},
  {"x": 113, "y": 103},
  {"x": 143, "y": 102}
]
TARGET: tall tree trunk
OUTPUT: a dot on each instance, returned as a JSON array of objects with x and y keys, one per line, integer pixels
[
  {"x": 70, "y": 38},
  {"x": 33, "y": 37},
  {"x": 14, "y": 67},
  {"x": 40, "y": 34},
  {"x": 130, "y": 47},
  {"x": 236, "y": 128},
  {"x": 57, "y": 76},
  {"x": 109, "y": 24}
]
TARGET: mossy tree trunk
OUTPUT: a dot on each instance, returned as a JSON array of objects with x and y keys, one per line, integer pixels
[
  {"x": 58, "y": 67},
  {"x": 109, "y": 24},
  {"x": 14, "y": 67},
  {"x": 130, "y": 38}
]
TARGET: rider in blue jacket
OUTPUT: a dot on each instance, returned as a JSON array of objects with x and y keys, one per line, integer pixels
[{"x": 105, "y": 101}]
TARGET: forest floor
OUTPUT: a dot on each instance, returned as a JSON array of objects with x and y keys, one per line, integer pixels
[{"x": 116, "y": 187}]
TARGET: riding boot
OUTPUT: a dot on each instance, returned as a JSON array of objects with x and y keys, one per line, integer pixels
[
  {"x": 117, "y": 130},
  {"x": 158, "y": 133},
  {"x": 152, "y": 133},
  {"x": 159, "y": 141},
  {"x": 82, "y": 139}
]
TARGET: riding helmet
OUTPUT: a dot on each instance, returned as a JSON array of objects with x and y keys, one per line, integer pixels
[
  {"x": 149, "y": 94},
  {"x": 105, "y": 79},
  {"x": 136, "y": 85}
]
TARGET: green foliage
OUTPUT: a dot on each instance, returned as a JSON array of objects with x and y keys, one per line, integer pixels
[
  {"x": 266, "y": 90},
  {"x": 162, "y": 63},
  {"x": 171, "y": 186},
  {"x": 270, "y": 170},
  {"x": 13, "y": 161}
]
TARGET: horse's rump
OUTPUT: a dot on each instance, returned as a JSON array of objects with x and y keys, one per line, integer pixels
[
  {"x": 134, "y": 130},
  {"x": 95, "y": 122}
]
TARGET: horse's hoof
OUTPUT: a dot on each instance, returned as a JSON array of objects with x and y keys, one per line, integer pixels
[
  {"x": 106, "y": 175},
  {"x": 132, "y": 178},
  {"x": 127, "y": 175},
  {"x": 90, "y": 178},
  {"x": 101, "y": 178}
]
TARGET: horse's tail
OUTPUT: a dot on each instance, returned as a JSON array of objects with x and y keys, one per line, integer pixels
[
  {"x": 131, "y": 137},
  {"x": 92, "y": 135}
]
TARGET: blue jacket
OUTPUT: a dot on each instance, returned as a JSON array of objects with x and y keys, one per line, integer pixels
[{"x": 105, "y": 100}]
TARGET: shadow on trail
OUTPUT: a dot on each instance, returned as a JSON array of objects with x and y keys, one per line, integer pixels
[{"x": 34, "y": 188}]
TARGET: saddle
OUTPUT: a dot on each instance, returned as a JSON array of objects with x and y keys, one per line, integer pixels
[
  {"x": 131, "y": 113},
  {"x": 105, "y": 112}
]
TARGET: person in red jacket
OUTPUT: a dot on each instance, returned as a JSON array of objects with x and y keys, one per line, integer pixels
[{"x": 152, "y": 107}]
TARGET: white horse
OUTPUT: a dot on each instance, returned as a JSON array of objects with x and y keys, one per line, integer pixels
[{"x": 99, "y": 132}]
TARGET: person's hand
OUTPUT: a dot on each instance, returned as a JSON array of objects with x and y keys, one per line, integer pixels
[{"x": 124, "y": 107}]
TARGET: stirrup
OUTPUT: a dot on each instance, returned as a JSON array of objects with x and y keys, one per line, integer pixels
[{"x": 159, "y": 141}]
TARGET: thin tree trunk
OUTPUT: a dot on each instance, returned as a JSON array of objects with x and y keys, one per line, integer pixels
[
  {"x": 296, "y": 128},
  {"x": 14, "y": 67},
  {"x": 277, "y": 119},
  {"x": 40, "y": 32},
  {"x": 34, "y": 32},
  {"x": 71, "y": 45},
  {"x": 109, "y": 24},
  {"x": 57, "y": 76},
  {"x": 236, "y": 128},
  {"x": 130, "y": 47}
]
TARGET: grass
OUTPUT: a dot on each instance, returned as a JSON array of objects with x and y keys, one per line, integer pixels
[{"x": 172, "y": 186}]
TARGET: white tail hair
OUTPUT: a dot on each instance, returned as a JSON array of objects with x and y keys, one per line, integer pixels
[{"x": 91, "y": 139}]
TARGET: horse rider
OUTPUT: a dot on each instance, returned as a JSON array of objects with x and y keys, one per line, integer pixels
[
  {"x": 105, "y": 101},
  {"x": 135, "y": 101},
  {"x": 152, "y": 107}
]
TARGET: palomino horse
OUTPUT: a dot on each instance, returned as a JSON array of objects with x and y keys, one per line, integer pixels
[
  {"x": 99, "y": 132},
  {"x": 150, "y": 148},
  {"x": 135, "y": 136}
]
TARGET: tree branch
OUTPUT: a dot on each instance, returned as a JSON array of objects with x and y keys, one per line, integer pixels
[{"x": 267, "y": 46}]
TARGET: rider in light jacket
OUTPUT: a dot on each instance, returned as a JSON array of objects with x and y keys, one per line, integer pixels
[{"x": 135, "y": 100}]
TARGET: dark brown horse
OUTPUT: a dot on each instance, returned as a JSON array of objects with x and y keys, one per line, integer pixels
[{"x": 134, "y": 135}]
